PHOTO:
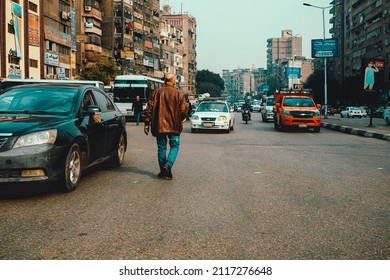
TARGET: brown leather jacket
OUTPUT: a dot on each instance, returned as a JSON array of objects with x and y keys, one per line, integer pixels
[{"x": 166, "y": 110}]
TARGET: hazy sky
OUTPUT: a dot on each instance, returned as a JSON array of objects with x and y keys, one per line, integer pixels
[{"x": 234, "y": 33}]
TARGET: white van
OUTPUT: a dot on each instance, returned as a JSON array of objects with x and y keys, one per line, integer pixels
[{"x": 266, "y": 109}]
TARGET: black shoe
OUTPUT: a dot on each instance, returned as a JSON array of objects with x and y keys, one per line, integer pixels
[
  {"x": 167, "y": 172},
  {"x": 161, "y": 174}
]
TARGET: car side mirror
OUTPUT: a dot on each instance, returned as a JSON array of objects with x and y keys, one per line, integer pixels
[
  {"x": 319, "y": 106},
  {"x": 277, "y": 105},
  {"x": 92, "y": 110}
]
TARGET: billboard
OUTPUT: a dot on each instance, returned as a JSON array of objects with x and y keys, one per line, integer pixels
[
  {"x": 372, "y": 73},
  {"x": 324, "y": 48},
  {"x": 293, "y": 73}
]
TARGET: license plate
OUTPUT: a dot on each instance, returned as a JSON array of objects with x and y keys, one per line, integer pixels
[
  {"x": 208, "y": 124},
  {"x": 302, "y": 125}
]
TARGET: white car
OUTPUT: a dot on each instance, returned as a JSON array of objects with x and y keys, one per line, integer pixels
[
  {"x": 386, "y": 116},
  {"x": 255, "y": 106},
  {"x": 266, "y": 110},
  {"x": 364, "y": 111},
  {"x": 213, "y": 114},
  {"x": 351, "y": 112}
]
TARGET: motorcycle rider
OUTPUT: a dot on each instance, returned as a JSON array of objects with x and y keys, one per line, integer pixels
[{"x": 247, "y": 107}]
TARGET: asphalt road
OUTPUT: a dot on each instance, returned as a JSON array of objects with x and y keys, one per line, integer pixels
[{"x": 254, "y": 193}]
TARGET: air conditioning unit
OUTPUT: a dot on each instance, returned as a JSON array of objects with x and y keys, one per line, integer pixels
[{"x": 87, "y": 8}]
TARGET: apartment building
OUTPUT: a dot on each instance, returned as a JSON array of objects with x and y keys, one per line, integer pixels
[
  {"x": 21, "y": 39},
  {"x": 286, "y": 47},
  {"x": 171, "y": 49},
  {"x": 241, "y": 83},
  {"x": 363, "y": 30},
  {"x": 61, "y": 39},
  {"x": 187, "y": 24}
]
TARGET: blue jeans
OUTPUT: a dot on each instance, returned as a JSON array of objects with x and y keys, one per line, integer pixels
[
  {"x": 162, "y": 143},
  {"x": 137, "y": 117}
]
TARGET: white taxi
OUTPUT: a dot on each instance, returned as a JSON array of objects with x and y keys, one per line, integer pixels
[{"x": 213, "y": 114}]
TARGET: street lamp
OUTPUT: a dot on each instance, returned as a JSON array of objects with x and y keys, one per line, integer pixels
[
  {"x": 325, "y": 75},
  {"x": 291, "y": 81}
]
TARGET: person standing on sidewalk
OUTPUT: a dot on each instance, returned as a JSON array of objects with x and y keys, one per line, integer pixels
[
  {"x": 137, "y": 109},
  {"x": 165, "y": 112}
]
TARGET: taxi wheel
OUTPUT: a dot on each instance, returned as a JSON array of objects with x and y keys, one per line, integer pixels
[{"x": 72, "y": 168}]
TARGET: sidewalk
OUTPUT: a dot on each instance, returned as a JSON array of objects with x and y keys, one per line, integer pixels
[{"x": 358, "y": 126}]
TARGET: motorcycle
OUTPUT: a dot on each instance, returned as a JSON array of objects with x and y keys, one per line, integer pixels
[{"x": 245, "y": 115}]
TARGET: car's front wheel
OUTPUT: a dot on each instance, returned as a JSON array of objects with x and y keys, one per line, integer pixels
[
  {"x": 72, "y": 168},
  {"x": 119, "y": 156}
]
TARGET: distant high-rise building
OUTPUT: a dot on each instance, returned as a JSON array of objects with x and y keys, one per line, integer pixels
[{"x": 286, "y": 47}]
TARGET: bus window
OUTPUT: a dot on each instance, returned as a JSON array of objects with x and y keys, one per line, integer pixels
[{"x": 127, "y": 87}]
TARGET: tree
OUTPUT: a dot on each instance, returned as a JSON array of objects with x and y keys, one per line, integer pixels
[
  {"x": 104, "y": 71},
  {"x": 316, "y": 83},
  {"x": 208, "y": 88},
  {"x": 209, "y": 82}
]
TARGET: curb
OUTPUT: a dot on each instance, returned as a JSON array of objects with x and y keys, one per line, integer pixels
[{"x": 355, "y": 131}]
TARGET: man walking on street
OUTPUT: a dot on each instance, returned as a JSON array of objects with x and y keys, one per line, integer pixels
[
  {"x": 137, "y": 109},
  {"x": 165, "y": 112}
]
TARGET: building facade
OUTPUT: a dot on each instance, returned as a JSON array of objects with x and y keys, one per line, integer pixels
[
  {"x": 286, "y": 47},
  {"x": 363, "y": 32},
  {"x": 186, "y": 23},
  {"x": 61, "y": 39},
  {"x": 244, "y": 83},
  {"x": 21, "y": 39}
]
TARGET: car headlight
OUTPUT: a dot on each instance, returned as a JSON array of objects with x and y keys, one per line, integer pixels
[
  {"x": 317, "y": 114},
  {"x": 195, "y": 117},
  {"x": 222, "y": 118},
  {"x": 37, "y": 138},
  {"x": 286, "y": 113}
]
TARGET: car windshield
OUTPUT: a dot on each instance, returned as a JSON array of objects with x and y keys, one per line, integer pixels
[
  {"x": 270, "y": 102},
  {"x": 38, "y": 100},
  {"x": 212, "y": 107},
  {"x": 298, "y": 102}
]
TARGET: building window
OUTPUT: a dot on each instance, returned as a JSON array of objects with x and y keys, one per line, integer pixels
[
  {"x": 11, "y": 29},
  {"x": 33, "y": 63},
  {"x": 63, "y": 50},
  {"x": 51, "y": 46},
  {"x": 13, "y": 60},
  {"x": 32, "y": 7}
]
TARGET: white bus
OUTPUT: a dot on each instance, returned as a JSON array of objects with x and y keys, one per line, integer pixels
[
  {"x": 6, "y": 83},
  {"x": 127, "y": 87}
]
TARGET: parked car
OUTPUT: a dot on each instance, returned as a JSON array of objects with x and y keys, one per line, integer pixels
[
  {"x": 213, "y": 114},
  {"x": 386, "y": 116},
  {"x": 378, "y": 112},
  {"x": 351, "y": 112},
  {"x": 364, "y": 111},
  {"x": 52, "y": 132}
]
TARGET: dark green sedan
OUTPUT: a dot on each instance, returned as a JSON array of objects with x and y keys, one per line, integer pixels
[{"x": 52, "y": 132}]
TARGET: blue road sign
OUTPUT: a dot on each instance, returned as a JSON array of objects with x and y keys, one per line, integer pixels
[{"x": 324, "y": 48}]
